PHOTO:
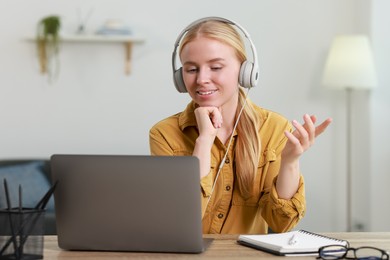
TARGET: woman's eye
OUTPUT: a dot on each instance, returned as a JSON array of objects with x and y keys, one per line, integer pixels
[
  {"x": 216, "y": 68},
  {"x": 191, "y": 70}
]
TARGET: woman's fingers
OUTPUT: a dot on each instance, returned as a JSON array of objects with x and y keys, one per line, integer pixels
[
  {"x": 307, "y": 132},
  {"x": 321, "y": 128}
]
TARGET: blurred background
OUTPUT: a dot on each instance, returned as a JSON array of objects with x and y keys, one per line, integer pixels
[{"x": 93, "y": 106}]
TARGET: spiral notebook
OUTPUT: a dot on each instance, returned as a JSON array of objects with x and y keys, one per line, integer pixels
[{"x": 299, "y": 242}]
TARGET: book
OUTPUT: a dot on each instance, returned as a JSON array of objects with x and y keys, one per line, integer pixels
[{"x": 298, "y": 242}]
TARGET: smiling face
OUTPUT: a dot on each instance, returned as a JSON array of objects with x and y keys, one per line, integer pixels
[{"x": 210, "y": 72}]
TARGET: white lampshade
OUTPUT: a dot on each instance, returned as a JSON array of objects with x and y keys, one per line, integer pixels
[{"x": 350, "y": 63}]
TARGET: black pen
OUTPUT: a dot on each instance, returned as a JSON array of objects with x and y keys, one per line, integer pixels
[
  {"x": 45, "y": 199},
  {"x": 7, "y": 195},
  {"x": 20, "y": 219},
  {"x": 20, "y": 198}
]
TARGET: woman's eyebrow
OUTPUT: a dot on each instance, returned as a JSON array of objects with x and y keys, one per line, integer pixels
[{"x": 210, "y": 61}]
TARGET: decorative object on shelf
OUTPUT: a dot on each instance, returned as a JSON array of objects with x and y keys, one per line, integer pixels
[
  {"x": 81, "y": 29},
  {"x": 114, "y": 27},
  {"x": 48, "y": 42}
]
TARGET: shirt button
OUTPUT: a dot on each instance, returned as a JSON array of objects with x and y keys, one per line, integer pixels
[
  {"x": 227, "y": 160},
  {"x": 220, "y": 215},
  {"x": 228, "y": 188}
]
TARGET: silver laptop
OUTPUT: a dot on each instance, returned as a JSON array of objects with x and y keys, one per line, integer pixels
[{"x": 128, "y": 203}]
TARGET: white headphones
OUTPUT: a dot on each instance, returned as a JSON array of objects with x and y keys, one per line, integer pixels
[{"x": 249, "y": 71}]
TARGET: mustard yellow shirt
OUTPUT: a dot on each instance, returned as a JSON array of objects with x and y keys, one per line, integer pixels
[{"x": 227, "y": 212}]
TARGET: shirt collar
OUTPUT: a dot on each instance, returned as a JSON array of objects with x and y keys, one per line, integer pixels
[{"x": 187, "y": 117}]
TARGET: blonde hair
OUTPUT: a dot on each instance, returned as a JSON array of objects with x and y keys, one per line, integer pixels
[{"x": 248, "y": 145}]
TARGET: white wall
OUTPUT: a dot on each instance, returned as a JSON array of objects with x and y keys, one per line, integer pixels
[
  {"x": 380, "y": 123},
  {"x": 95, "y": 108}
]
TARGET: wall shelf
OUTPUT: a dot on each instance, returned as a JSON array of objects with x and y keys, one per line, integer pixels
[{"x": 127, "y": 40}]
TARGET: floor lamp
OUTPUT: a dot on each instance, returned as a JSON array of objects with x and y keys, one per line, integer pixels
[{"x": 349, "y": 67}]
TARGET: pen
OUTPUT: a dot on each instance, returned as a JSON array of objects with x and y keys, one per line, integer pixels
[
  {"x": 20, "y": 199},
  {"x": 45, "y": 199},
  {"x": 20, "y": 251},
  {"x": 293, "y": 240}
]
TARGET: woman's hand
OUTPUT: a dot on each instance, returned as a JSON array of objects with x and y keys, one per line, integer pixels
[
  {"x": 299, "y": 141},
  {"x": 303, "y": 137},
  {"x": 209, "y": 120}
]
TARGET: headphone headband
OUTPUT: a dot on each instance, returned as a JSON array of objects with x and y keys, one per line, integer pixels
[{"x": 249, "y": 70}]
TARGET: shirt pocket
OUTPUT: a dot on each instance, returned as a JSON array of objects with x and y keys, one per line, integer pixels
[{"x": 268, "y": 157}]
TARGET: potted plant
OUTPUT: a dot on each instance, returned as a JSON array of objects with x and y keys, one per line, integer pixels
[{"x": 48, "y": 42}]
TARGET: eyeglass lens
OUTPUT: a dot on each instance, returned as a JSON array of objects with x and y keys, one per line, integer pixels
[
  {"x": 362, "y": 253},
  {"x": 333, "y": 252},
  {"x": 368, "y": 253}
]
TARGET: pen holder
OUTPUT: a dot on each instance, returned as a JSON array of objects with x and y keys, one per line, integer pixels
[{"x": 21, "y": 233}]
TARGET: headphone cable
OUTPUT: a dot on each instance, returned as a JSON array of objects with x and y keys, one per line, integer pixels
[{"x": 227, "y": 149}]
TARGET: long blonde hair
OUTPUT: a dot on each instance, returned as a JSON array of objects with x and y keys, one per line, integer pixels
[{"x": 248, "y": 145}]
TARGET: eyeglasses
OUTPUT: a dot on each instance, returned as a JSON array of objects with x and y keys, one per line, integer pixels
[{"x": 334, "y": 252}]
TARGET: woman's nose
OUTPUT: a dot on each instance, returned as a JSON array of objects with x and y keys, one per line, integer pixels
[{"x": 203, "y": 76}]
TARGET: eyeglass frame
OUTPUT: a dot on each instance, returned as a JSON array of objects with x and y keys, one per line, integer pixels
[{"x": 354, "y": 249}]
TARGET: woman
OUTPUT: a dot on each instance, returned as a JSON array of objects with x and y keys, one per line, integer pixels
[{"x": 249, "y": 174}]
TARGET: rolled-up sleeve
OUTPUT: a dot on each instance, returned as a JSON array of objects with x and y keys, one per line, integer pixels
[{"x": 281, "y": 214}]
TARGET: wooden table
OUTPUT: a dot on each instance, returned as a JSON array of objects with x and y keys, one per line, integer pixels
[{"x": 223, "y": 247}]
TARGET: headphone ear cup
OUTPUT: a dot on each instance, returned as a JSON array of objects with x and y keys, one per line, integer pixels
[
  {"x": 178, "y": 80},
  {"x": 245, "y": 76}
]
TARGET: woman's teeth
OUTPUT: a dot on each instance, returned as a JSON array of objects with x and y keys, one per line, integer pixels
[{"x": 205, "y": 92}]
